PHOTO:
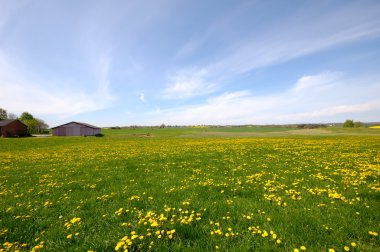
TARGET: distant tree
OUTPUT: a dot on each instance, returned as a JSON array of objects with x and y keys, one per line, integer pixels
[
  {"x": 31, "y": 122},
  {"x": 348, "y": 124},
  {"x": 358, "y": 124},
  {"x": 26, "y": 116},
  {"x": 162, "y": 125},
  {"x": 41, "y": 126},
  {"x": 3, "y": 114},
  {"x": 32, "y": 125},
  {"x": 12, "y": 116}
]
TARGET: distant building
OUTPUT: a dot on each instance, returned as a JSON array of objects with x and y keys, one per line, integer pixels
[
  {"x": 13, "y": 128},
  {"x": 75, "y": 129}
]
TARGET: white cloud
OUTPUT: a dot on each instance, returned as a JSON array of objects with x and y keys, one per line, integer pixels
[
  {"x": 22, "y": 91},
  {"x": 349, "y": 110},
  {"x": 325, "y": 97},
  {"x": 316, "y": 82},
  {"x": 142, "y": 97},
  {"x": 186, "y": 85},
  {"x": 35, "y": 99}
]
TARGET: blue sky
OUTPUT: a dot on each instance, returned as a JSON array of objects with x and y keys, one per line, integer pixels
[{"x": 191, "y": 62}]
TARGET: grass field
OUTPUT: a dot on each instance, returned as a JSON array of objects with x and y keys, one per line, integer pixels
[
  {"x": 233, "y": 132},
  {"x": 238, "y": 189}
]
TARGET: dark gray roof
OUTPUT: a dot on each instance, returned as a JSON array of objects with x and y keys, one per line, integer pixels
[
  {"x": 84, "y": 124},
  {"x": 5, "y": 122}
]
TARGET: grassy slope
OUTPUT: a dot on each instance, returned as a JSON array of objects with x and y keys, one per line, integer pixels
[{"x": 47, "y": 182}]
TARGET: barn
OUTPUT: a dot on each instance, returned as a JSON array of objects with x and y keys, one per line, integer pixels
[
  {"x": 75, "y": 129},
  {"x": 13, "y": 128}
]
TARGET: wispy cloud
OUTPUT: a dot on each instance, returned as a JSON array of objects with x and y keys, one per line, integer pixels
[
  {"x": 281, "y": 47},
  {"x": 215, "y": 29},
  {"x": 287, "y": 38},
  {"x": 7, "y": 9},
  {"x": 188, "y": 84},
  {"x": 312, "y": 98},
  {"x": 102, "y": 67}
]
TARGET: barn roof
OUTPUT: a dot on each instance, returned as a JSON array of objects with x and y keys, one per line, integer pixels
[
  {"x": 84, "y": 124},
  {"x": 5, "y": 122}
]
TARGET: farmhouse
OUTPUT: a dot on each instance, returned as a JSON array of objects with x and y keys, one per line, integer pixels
[
  {"x": 13, "y": 128},
  {"x": 75, "y": 129}
]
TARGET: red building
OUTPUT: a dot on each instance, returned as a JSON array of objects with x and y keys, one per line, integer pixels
[{"x": 13, "y": 128}]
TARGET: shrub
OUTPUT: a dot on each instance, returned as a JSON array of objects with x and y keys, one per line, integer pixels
[{"x": 348, "y": 124}]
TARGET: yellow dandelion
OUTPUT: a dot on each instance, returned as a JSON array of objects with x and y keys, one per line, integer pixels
[{"x": 373, "y": 233}]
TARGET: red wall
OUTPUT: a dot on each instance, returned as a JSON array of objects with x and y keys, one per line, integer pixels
[{"x": 13, "y": 129}]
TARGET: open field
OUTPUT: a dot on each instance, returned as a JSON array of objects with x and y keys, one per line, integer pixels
[
  {"x": 192, "y": 190},
  {"x": 202, "y": 132}
]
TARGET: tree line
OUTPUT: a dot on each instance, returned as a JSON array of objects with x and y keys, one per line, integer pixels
[
  {"x": 35, "y": 125},
  {"x": 352, "y": 124}
]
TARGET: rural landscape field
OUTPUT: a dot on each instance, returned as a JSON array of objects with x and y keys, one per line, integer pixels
[{"x": 228, "y": 189}]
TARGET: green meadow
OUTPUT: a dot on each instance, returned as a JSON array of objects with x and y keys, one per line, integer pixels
[{"x": 192, "y": 189}]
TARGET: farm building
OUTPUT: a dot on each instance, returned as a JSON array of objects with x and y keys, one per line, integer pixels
[
  {"x": 75, "y": 129},
  {"x": 13, "y": 128}
]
